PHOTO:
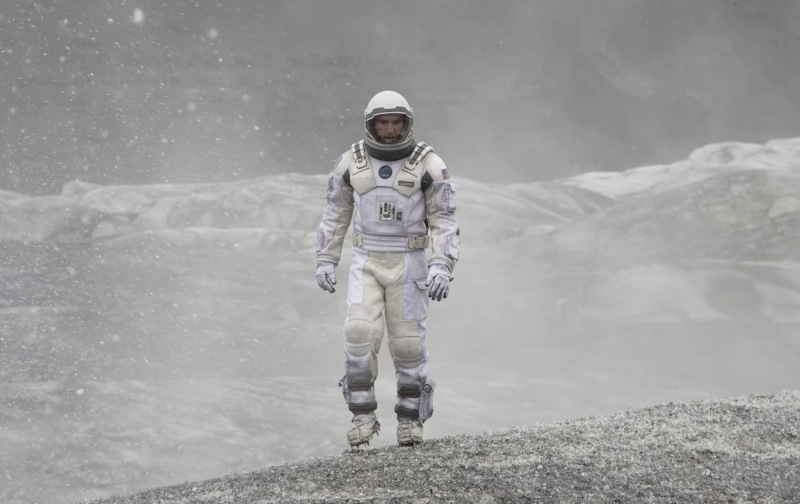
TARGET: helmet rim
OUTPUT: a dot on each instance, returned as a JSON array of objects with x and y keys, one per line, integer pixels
[
  {"x": 388, "y": 102},
  {"x": 385, "y": 103}
]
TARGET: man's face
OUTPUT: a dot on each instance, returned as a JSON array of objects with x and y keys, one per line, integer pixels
[{"x": 389, "y": 127}]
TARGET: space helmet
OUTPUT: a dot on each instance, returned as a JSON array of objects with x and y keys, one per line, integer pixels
[{"x": 388, "y": 102}]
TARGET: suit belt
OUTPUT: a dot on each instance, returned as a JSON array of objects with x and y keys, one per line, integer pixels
[{"x": 384, "y": 243}]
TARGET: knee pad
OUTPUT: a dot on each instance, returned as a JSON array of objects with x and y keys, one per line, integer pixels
[
  {"x": 406, "y": 344},
  {"x": 358, "y": 329}
]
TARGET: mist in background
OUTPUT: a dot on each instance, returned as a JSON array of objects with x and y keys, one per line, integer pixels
[
  {"x": 131, "y": 92},
  {"x": 156, "y": 334}
]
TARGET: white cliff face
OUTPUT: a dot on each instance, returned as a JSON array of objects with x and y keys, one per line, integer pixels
[
  {"x": 777, "y": 155},
  {"x": 172, "y": 332},
  {"x": 712, "y": 238}
]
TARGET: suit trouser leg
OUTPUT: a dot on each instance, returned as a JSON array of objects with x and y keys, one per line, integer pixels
[
  {"x": 406, "y": 313},
  {"x": 390, "y": 282},
  {"x": 363, "y": 334}
]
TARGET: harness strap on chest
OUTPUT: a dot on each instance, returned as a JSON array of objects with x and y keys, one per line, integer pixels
[
  {"x": 359, "y": 154},
  {"x": 360, "y": 177},
  {"x": 418, "y": 154},
  {"x": 409, "y": 178}
]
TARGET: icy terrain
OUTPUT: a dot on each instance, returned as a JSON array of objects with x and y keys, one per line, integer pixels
[{"x": 162, "y": 333}]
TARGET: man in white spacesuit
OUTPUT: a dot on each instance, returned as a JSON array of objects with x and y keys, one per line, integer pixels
[{"x": 400, "y": 198}]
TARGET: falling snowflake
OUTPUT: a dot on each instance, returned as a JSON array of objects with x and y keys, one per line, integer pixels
[{"x": 138, "y": 16}]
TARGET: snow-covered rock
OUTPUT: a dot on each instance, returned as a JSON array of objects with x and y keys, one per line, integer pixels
[
  {"x": 741, "y": 214},
  {"x": 30, "y": 220},
  {"x": 708, "y": 161}
]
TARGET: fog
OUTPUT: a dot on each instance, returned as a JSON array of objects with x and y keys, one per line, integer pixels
[
  {"x": 188, "y": 91},
  {"x": 163, "y": 175}
]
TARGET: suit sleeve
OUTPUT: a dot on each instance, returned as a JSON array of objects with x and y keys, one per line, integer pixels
[
  {"x": 337, "y": 216},
  {"x": 440, "y": 208}
]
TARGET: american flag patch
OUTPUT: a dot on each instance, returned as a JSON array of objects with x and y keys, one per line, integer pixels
[{"x": 445, "y": 175}]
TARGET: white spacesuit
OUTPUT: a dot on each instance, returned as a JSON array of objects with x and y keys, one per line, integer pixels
[{"x": 400, "y": 198}]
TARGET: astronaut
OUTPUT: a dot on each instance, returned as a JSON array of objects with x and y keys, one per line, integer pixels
[{"x": 400, "y": 198}]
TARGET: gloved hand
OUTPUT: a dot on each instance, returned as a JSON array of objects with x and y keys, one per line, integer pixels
[
  {"x": 439, "y": 276},
  {"x": 326, "y": 278}
]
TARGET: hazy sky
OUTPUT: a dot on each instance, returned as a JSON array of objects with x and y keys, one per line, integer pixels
[{"x": 134, "y": 91}]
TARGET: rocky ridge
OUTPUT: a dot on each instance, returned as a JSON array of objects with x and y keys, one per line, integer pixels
[{"x": 733, "y": 450}]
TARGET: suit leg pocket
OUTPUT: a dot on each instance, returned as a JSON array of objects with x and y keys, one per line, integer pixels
[{"x": 426, "y": 400}]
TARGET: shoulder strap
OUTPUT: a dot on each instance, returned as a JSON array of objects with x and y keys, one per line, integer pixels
[
  {"x": 418, "y": 154},
  {"x": 361, "y": 178},
  {"x": 410, "y": 178},
  {"x": 359, "y": 155}
]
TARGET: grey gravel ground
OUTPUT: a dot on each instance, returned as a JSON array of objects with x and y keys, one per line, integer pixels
[{"x": 732, "y": 450}]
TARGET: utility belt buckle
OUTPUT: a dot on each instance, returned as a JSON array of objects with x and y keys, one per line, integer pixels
[
  {"x": 358, "y": 240},
  {"x": 419, "y": 242}
]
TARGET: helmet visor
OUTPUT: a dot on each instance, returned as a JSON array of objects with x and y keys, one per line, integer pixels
[{"x": 408, "y": 126}]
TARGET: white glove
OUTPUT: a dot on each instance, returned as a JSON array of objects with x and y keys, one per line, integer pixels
[
  {"x": 439, "y": 275},
  {"x": 326, "y": 278}
]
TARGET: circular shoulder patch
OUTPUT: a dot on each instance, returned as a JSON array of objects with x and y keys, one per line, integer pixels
[{"x": 385, "y": 172}]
